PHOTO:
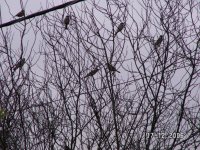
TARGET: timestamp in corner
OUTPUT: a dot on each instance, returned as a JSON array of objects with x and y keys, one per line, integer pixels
[{"x": 165, "y": 135}]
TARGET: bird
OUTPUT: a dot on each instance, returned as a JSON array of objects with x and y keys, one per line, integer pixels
[
  {"x": 21, "y": 13},
  {"x": 119, "y": 28},
  {"x": 111, "y": 68},
  {"x": 161, "y": 18},
  {"x": 19, "y": 64},
  {"x": 159, "y": 41},
  {"x": 67, "y": 148},
  {"x": 91, "y": 73},
  {"x": 66, "y": 21}
]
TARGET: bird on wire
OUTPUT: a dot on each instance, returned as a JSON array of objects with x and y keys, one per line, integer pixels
[
  {"x": 91, "y": 73},
  {"x": 119, "y": 28},
  {"x": 111, "y": 68},
  {"x": 159, "y": 41},
  {"x": 21, "y": 13},
  {"x": 19, "y": 64},
  {"x": 66, "y": 21}
]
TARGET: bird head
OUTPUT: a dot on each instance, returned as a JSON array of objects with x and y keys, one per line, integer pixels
[
  {"x": 123, "y": 24},
  {"x": 68, "y": 17}
]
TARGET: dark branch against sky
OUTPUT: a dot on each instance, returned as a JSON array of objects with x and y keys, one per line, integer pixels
[{"x": 40, "y": 13}]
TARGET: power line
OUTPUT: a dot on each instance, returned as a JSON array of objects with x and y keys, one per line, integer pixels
[{"x": 40, "y": 13}]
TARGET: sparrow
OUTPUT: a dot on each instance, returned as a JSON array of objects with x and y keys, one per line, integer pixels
[
  {"x": 19, "y": 64},
  {"x": 119, "y": 28},
  {"x": 111, "y": 68},
  {"x": 91, "y": 73},
  {"x": 21, "y": 13},
  {"x": 66, "y": 21},
  {"x": 159, "y": 41}
]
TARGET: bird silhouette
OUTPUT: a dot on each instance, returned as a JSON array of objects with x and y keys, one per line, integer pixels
[
  {"x": 19, "y": 64},
  {"x": 66, "y": 21},
  {"x": 91, "y": 73},
  {"x": 159, "y": 41},
  {"x": 111, "y": 68},
  {"x": 119, "y": 28},
  {"x": 67, "y": 148},
  {"x": 21, "y": 13}
]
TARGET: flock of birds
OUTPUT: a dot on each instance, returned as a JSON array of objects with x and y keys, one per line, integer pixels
[
  {"x": 110, "y": 67},
  {"x": 66, "y": 21}
]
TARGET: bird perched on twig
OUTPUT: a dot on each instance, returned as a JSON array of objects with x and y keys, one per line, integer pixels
[
  {"x": 19, "y": 64},
  {"x": 91, "y": 73},
  {"x": 111, "y": 68},
  {"x": 21, "y": 13},
  {"x": 159, "y": 41},
  {"x": 67, "y": 148},
  {"x": 66, "y": 21},
  {"x": 119, "y": 28},
  {"x": 161, "y": 18}
]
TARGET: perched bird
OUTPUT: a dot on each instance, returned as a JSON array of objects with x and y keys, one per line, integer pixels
[
  {"x": 91, "y": 73},
  {"x": 161, "y": 18},
  {"x": 21, "y": 13},
  {"x": 19, "y": 64},
  {"x": 159, "y": 41},
  {"x": 120, "y": 27},
  {"x": 66, "y": 21},
  {"x": 67, "y": 148},
  {"x": 111, "y": 68}
]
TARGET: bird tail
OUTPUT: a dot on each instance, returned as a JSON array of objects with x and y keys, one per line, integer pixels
[
  {"x": 115, "y": 34},
  {"x": 86, "y": 76},
  {"x": 14, "y": 68},
  {"x": 155, "y": 47}
]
